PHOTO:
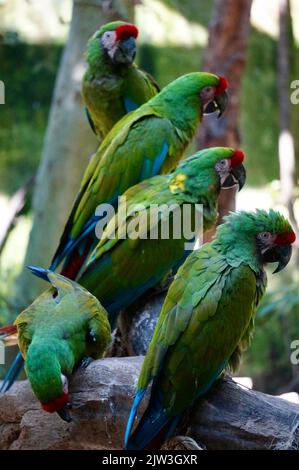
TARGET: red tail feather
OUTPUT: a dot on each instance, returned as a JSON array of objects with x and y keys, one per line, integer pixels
[
  {"x": 8, "y": 330},
  {"x": 72, "y": 268}
]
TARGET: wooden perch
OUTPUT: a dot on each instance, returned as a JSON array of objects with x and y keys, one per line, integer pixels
[{"x": 229, "y": 417}]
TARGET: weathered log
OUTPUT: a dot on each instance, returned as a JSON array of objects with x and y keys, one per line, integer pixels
[
  {"x": 137, "y": 323},
  {"x": 229, "y": 417}
]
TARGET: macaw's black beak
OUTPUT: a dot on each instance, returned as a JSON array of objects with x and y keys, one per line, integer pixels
[
  {"x": 126, "y": 51},
  {"x": 218, "y": 104},
  {"x": 280, "y": 254},
  {"x": 237, "y": 176},
  {"x": 64, "y": 413}
]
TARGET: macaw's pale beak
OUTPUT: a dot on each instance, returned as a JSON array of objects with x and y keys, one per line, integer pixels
[
  {"x": 280, "y": 254},
  {"x": 64, "y": 413},
  {"x": 126, "y": 51},
  {"x": 218, "y": 104},
  {"x": 237, "y": 176}
]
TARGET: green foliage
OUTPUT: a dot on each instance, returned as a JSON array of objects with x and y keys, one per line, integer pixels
[
  {"x": 259, "y": 110},
  {"x": 28, "y": 73},
  {"x": 276, "y": 327}
]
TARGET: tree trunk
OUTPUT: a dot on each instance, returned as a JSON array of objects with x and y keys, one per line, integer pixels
[
  {"x": 286, "y": 147},
  {"x": 228, "y": 417},
  {"x": 69, "y": 142},
  {"x": 226, "y": 55}
]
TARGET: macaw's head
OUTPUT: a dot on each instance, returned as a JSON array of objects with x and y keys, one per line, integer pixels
[
  {"x": 227, "y": 164},
  {"x": 201, "y": 92},
  {"x": 59, "y": 401},
  {"x": 118, "y": 42},
  {"x": 269, "y": 234},
  {"x": 210, "y": 170},
  {"x": 48, "y": 383}
]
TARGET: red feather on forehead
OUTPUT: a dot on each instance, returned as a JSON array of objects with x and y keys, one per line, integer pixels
[
  {"x": 222, "y": 86},
  {"x": 126, "y": 31},
  {"x": 286, "y": 238},
  {"x": 237, "y": 158},
  {"x": 56, "y": 404}
]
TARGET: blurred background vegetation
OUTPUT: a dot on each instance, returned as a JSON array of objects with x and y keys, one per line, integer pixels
[{"x": 173, "y": 36}]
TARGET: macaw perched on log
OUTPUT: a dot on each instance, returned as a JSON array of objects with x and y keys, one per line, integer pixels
[
  {"x": 143, "y": 144},
  {"x": 207, "y": 320},
  {"x": 121, "y": 269},
  {"x": 112, "y": 84},
  {"x": 62, "y": 329}
]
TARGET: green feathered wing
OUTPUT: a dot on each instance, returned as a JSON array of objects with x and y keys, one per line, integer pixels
[
  {"x": 107, "y": 176},
  {"x": 206, "y": 317},
  {"x": 144, "y": 143},
  {"x": 57, "y": 331},
  {"x": 66, "y": 306},
  {"x": 110, "y": 95}
]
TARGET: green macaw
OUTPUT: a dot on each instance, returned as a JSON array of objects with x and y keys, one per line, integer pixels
[
  {"x": 121, "y": 268},
  {"x": 207, "y": 319},
  {"x": 113, "y": 85},
  {"x": 144, "y": 143},
  {"x": 60, "y": 330}
]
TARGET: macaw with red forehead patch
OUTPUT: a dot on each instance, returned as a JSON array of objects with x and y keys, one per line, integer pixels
[
  {"x": 60, "y": 330},
  {"x": 207, "y": 320},
  {"x": 121, "y": 269},
  {"x": 146, "y": 142},
  {"x": 149, "y": 141},
  {"x": 113, "y": 85}
]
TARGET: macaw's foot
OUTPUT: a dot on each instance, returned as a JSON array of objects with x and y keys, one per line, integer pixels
[
  {"x": 181, "y": 443},
  {"x": 85, "y": 362}
]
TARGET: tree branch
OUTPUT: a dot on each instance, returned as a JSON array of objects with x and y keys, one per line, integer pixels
[{"x": 229, "y": 417}]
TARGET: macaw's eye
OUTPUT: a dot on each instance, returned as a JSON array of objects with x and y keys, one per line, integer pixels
[
  {"x": 222, "y": 164},
  {"x": 264, "y": 236},
  {"x": 108, "y": 37}
]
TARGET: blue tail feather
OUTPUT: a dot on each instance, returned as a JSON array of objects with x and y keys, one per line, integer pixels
[
  {"x": 153, "y": 422},
  {"x": 139, "y": 396},
  {"x": 40, "y": 272},
  {"x": 89, "y": 226}
]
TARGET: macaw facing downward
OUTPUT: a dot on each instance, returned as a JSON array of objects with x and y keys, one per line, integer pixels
[
  {"x": 207, "y": 320},
  {"x": 144, "y": 143},
  {"x": 56, "y": 333},
  {"x": 113, "y": 85}
]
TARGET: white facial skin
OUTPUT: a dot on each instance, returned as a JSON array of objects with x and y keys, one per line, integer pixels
[
  {"x": 223, "y": 169},
  {"x": 65, "y": 383},
  {"x": 207, "y": 94},
  {"x": 266, "y": 240},
  {"x": 109, "y": 42}
]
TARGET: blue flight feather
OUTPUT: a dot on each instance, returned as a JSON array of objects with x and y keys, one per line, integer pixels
[
  {"x": 89, "y": 226},
  {"x": 130, "y": 105},
  {"x": 150, "y": 168},
  {"x": 139, "y": 396},
  {"x": 159, "y": 160}
]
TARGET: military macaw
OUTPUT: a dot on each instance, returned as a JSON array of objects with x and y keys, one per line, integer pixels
[
  {"x": 63, "y": 328},
  {"x": 144, "y": 143},
  {"x": 113, "y": 85},
  {"x": 121, "y": 269},
  {"x": 207, "y": 320},
  {"x": 123, "y": 160}
]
